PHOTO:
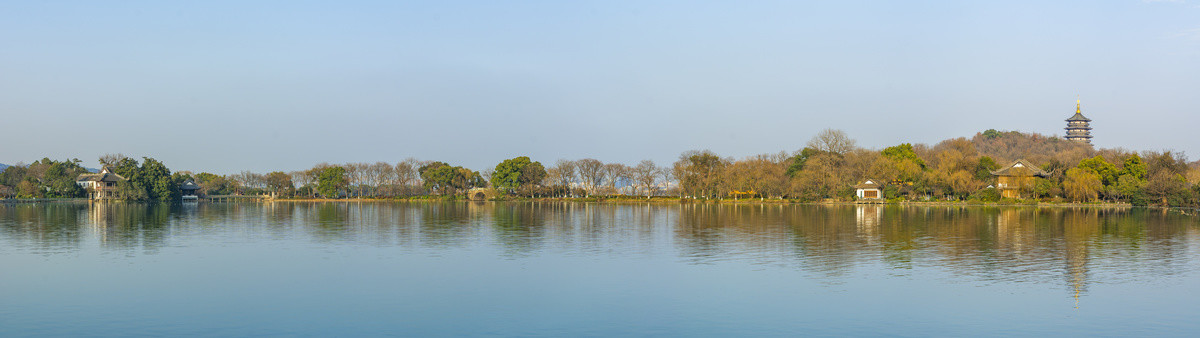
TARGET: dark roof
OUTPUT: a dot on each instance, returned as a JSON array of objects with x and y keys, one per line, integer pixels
[
  {"x": 188, "y": 185},
  {"x": 1078, "y": 117},
  {"x": 1016, "y": 167},
  {"x": 105, "y": 175},
  {"x": 868, "y": 184}
]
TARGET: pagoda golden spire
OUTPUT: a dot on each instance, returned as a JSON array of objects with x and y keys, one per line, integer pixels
[{"x": 1077, "y": 125}]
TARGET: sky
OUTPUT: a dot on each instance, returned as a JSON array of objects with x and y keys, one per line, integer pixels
[{"x": 229, "y": 86}]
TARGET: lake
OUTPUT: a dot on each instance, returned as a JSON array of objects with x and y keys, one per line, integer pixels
[{"x": 594, "y": 269}]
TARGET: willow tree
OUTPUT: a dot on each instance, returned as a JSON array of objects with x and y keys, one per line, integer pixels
[{"x": 1082, "y": 184}]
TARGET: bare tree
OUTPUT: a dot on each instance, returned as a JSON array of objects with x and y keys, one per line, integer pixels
[
  {"x": 702, "y": 173},
  {"x": 111, "y": 159},
  {"x": 666, "y": 175},
  {"x": 357, "y": 174},
  {"x": 406, "y": 172},
  {"x": 761, "y": 175},
  {"x": 646, "y": 174},
  {"x": 301, "y": 178},
  {"x": 487, "y": 175},
  {"x": 250, "y": 180},
  {"x": 591, "y": 172},
  {"x": 385, "y": 176},
  {"x": 372, "y": 177},
  {"x": 565, "y": 172},
  {"x": 833, "y": 141},
  {"x": 627, "y": 177},
  {"x": 615, "y": 173}
]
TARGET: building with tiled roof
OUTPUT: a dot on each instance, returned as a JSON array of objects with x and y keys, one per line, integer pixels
[
  {"x": 102, "y": 185},
  {"x": 1016, "y": 178}
]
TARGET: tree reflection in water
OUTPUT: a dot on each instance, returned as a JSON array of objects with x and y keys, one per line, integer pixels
[{"x": 1072, "y": 246}]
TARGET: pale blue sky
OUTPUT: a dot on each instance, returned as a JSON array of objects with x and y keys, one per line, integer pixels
[{"x": 257, "y": 85}]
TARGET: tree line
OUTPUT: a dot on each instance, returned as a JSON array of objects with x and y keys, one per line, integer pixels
[
  {"x": 149, "y": 180},
  {"x": 826, "y": 169}
]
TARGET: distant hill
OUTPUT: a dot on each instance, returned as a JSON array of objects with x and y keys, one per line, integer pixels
[
  {"x": 3, "y": 166},
  {"x": 1012, "y": 145}
]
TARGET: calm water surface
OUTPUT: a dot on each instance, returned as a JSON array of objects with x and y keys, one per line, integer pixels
[{"x": 577, "y": 269}]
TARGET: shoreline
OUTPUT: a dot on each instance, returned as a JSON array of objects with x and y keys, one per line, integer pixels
[
  {"x": 729, "y": 202},
  {"x": 656, "y": 200}
]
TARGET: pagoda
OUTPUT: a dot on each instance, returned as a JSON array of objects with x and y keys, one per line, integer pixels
[{"x": 1077, "y": 127}]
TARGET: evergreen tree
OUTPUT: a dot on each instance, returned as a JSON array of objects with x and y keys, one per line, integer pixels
[{"x": 332, "y": 181}]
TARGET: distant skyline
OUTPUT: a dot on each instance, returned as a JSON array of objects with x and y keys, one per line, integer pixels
[{"x": 227, "y": 86}]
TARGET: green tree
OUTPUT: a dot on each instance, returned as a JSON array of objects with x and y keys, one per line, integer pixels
[
  {"x": 1134, "y": 167},
  {"x": 27, "y": 189},
  {"x": 46, "y": 178},
  {"x": 991, "y": 134},
  {"x": 448, "y": 180},
  {"x": 508, "y": 173},
  {"x": 1044, "y": 187},
  {"x": 985, "y": 166},
  {"x": 797, "y": 162},
  {"x": 1129, "y": 187},
  {"x": 126, "y": 167},
  {"x": 429, "y": 166},
  {"x": 279, "y": 182},
  {"x": 13, "y": 175},
  {"x": 532, "y": 174},
  {"x": 130, "y": 190},
  {"x": 986, "y": 195},
  {"x": 59, "y": 181},
  {"x": 908, "y": 166},
  {"x": 1166, "y": 188},
  {"x": 474, "y": 179},
  {"x": 1107, "y": 171},
  {"x": 517, "y": 172},
  {"x": 157, "y": 180},
  {"x": 903, "y": 152},
  {"x": 213, "y": 184},
  {"x": 438, "y": 176},
  {"x": 332, "y": 181}
]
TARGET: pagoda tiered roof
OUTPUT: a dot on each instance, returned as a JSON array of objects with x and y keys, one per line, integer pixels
[{"x": 1078, "y": 117}]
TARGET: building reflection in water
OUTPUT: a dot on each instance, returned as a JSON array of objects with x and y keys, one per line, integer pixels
[
  {"x": 131, "y": 225},
  {"x": 867, "y": 218}
]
